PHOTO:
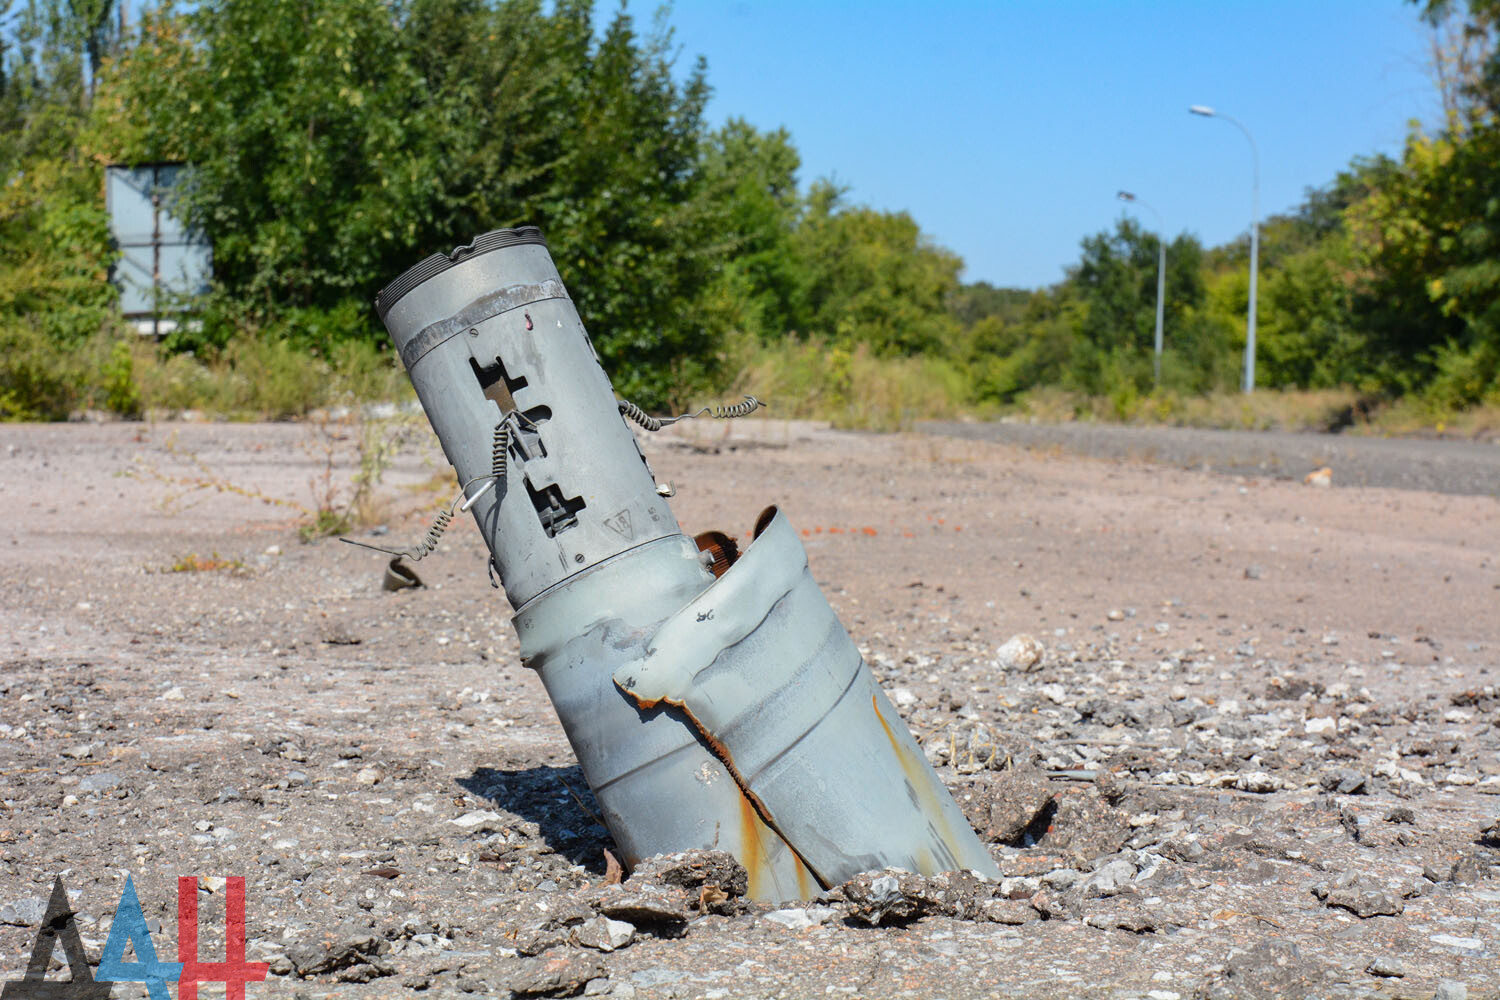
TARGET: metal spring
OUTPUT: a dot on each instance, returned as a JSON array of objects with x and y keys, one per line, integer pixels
[
  {"x": 429, "y": 542},
  {"x": 640, "y": 416},
  {"x": 499, "y": 464},
  {"x": 500, "y": 450},
  {"x": 750, "y": 405}
]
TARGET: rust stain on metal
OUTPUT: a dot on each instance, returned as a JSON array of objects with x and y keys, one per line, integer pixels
[
  {"x": 916, "y": 780},
  {"x": 753, "y": 850},
  {"x": 748, "y": 798},
  {"x": 805, "y": 879}
]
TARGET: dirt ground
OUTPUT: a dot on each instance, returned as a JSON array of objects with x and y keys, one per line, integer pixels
[{"x": 1259, "y": 755}]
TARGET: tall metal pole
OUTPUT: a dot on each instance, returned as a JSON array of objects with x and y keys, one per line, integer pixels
[
  {"x": 1161, "y": 280},
  {"x": 1207, "y": 112}
]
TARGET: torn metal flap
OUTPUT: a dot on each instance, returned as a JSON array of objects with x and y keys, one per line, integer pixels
[{"x": 761, "y": 665}]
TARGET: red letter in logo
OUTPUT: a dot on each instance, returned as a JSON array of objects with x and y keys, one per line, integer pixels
[{"x": 234, "y": 972}]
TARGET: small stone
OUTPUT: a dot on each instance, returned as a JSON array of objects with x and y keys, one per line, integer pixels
[
  {"x": 1020, "y": 652},
  {"x": 23, "y": 912},
  {"x": 80, "y": 752},
  {"x": 1386, "y": 967},
  {"x": 369, "y": 776},
  {"x": 1110, "y": 879},
  {"x": 1003, "y": 807},
  {"x": 1253, "y": 572},
  {"x": 902, "y": 697},
  {"x": 173, "y": 694},
  {"x": 1401, "y": 814},
  {"x": 801, "y": 918},
  {"x": 647, "y": 904},
  {"x": 1451, "y": 989},
  {"x": 1258, "y": 782},
  {"x": 1012, "y": 912},
  {"x": 1062, "y": 878},
  {"x": 338, "y": 633},
  {"x": 1343, "y": 781},
  {"x": 70, "y": 800},
  {"x": 478, "y": 819},
  {"x": 892, "y": 896},
  {"x": 604, "y": 934},
  {"x": 1319, "y": 726},
  {"x": 1360, "y": 898}
]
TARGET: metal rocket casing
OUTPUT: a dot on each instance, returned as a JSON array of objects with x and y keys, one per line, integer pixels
[{"x": 731, "y": 713}]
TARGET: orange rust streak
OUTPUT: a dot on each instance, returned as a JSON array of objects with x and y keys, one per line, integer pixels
[
  {"x": 917, "y": 778},
  {"x": 748, "y": 799},
  {"x": 804, "y": 879},
  {"x": 752, "y": 849}
]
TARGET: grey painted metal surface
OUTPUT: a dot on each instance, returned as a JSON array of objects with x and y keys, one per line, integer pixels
[
  {"x": 161, "y": 262},
  {"x": 762, "y": 666},
  {"x": 730, "y": 712}
]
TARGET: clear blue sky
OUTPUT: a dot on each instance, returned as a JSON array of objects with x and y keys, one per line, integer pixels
[{"x": 1006, "y": 128}]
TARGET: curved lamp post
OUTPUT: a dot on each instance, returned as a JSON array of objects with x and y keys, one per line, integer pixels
[
  {"x": 1207, "y": 112},
  {"x": 1161, "y": 279}
]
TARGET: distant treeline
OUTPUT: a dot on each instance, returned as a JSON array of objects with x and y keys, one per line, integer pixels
[{"x": 335, "y": 142}]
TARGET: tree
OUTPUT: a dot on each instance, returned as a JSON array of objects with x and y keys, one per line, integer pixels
[
  {"x": 336, "y": 142},
  {"x": 873, "y": 278}
]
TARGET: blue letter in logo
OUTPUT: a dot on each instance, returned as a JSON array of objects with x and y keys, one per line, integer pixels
[{"x": 129, "y": 927}]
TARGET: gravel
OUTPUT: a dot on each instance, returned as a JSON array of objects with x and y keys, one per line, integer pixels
[{"x": 1203, "y": 784}]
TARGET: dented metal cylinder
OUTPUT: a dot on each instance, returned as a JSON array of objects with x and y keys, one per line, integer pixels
[{"x": 730, "y": 712}]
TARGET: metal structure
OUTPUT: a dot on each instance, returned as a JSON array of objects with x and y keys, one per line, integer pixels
[
  {"x": 161, "y": 262},
  {"x": 1207, "y": 112},
  {"x": 713, "y": 698},
  {"x": 1161, "y": 279}
]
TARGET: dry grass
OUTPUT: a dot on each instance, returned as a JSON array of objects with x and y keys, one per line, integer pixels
[
  {"x": 1289, "y": 410},
  {"x": 850, "y": 388}
]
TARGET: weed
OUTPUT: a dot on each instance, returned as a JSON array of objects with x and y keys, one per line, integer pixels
[
  {"x": 194, "y": 563},
  {"x": 339, "y": 502}
]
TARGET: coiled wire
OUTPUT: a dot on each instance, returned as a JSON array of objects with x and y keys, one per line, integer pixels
[
  {"x": 429, "y": 542},
  {"x": 500, "y": 450},
  {"x": 650, "y": 423},
  {"x": 499, "y": 465}
]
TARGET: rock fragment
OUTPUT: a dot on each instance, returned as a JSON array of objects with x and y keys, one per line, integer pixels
[
  {"x": 1360, "y": 897},
  {"x": 349, "y": 955},
  {"x": 716, "y": 880},
  {"x": 1386, "y": 967},
  {"x": 604, "y": 934},
  {"x": 891, "y": 896},
  {"x": 1021, "y": 652},
  {"x": 1003, "y": 807},
  {"x": 23, "y": 912},
  {"x": 801, "y": 918},
  {"x": 560, "y": 974},
  {"x": 1343, "y": 781}
]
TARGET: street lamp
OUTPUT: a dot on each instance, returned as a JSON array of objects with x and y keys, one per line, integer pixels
[
  {"x": 1161, "y": 279},
  {"x": 1207, "y": 112}
]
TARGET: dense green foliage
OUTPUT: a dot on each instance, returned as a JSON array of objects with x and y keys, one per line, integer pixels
[{"x": 335, "y": 142}]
